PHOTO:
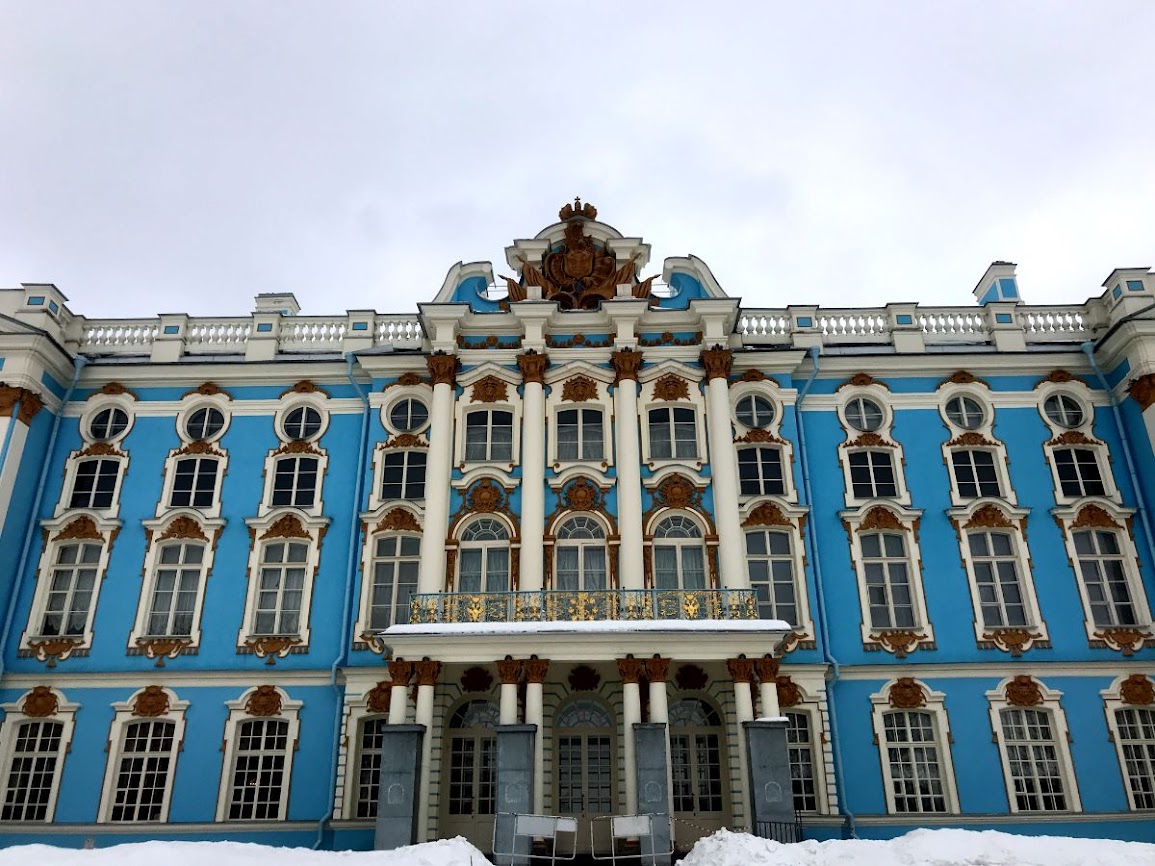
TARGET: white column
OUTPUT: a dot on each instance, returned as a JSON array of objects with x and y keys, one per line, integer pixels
[
  {"x": 535, "y": 673},
  {"x": 724, "y": 470},
  {"x": 399, "y": 674},
  {"x": 18, "y": 406},
  {"x": 742, "y": 671},
  {"x": 631, "y": 567},
  {"x": 532, "y": 366},
  {"x": 439, "y": 466},
  {"x": 768, "y": 687},
  {"x": 427, "y": 673},
  {"x": 510, "y": 671},
  {"x": 631, "y": 671}
]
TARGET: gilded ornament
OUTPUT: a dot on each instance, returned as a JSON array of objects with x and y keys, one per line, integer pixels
[
  {"x": 183, "y": 527},
  {"x": 717, "y": 362},
  {"x": 115, "y": 389},
  {"x": 272, "y": 648},
  {"x": 509, "y": 670},
  {"x": 398, "y": 520},
  {"x": 490, "y": 390},
  {"x": 906, "y": 694},
  {"x": 406, "y": 440},
  {"x": 377, "y": 699},
  {"x": 533, "y": 366},
  {"x": 627, "y": 363},
  {"x": 264, "y": 701},
  {"x": 1125, "y": 640},
  {"x": 427, "y": 672},
  {"x": 880, "y": 518},
  {"x": 442, "y": 368},
  {"x": 1023, "y": 691},
  {"x": 208, "y": 389},
  {"x": 400, "y": 672},
  {"x": 1142, "y": 391},
  {"x": 1136, "y": 690},
  {"x": 579, "y": 389},
  {"x": 486, "y": 496},
  {"x": 288, "y": 526},
  {"x": 151, "y": 701},
  {"x": 898, "y": 641},
  {"x": 305, "y": 386},
  {"x": 40, "y": 703},
  {"x": 677, "y": 491},
  {"x": 767, "y": 668},
  {"x": 657, "y": 669},
  {"x": 630, "y": 669},
  {"x": 860, "y": 380},
  {"x": 789, "y": 695},
  {"x": 671, "y": 387},
  {"x": 30, "y": 403},
  {"x": 581, "y": 494},
  {"x": 1093, "y": 516},
  {"x": 988, "y": 516},
  {"x": 766, "y": 514},
  {"x": 741, "y": 669},
  {"x": 536, "y": 670}
]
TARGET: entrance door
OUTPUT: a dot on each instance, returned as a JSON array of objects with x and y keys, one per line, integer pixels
[
  {"x": 586, "y": 769},
  {"x": 696, "y": 770},
  {"x": 468, "y": 774}
]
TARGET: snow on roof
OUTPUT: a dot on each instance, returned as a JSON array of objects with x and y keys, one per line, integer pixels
[{"x": 716, "y": 626}]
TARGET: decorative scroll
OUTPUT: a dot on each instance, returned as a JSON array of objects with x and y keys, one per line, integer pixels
[
  {"x": 40, "y": 703},
  {"x": 54, "y": 649},
  {"x": 288, "y": 526},
  {"x": 1092, "y": 516},
  {"x": 759, "y": 435},
  {"x": 1059, "y": 377},
  {"x": 900, "y": 642},
  {"x": 408, "y": 380},
  {"x": 869, "y": 440},
  {"x": 1125, "y": 640},
  {"x": 972, "y": 439},
  {"x": 272, "y": 648},
  {"x": 989, "y": 516},
  {"x": 767, "y": 514},
  {"x": 582, "y": 494},
  {"x": 161, "y": 648},
  {"x": 398, "y": 520},
  {"x": 82, "y": 527},
  {"x": 860, "y": 380},
  {"x": 298, "y": 446},
  {"x": 152, "y": 701},
  {"x": 183, "y": 527},
  {"x": 671, "y": 387},
  {"x": 579, "y": 389},
  {"x": 264, "y": 701},
  {"x": 906, "y": 694},
  {"x": 1013, "y": 640},
  {"x": 880, "y": 518},
  {"x": 1023, "y": 691},
  {"x": 486, "y": 496},
  {"x": 208, "y": 389},
  {"x": 116, "y": 389},
  {"x": 677, "y": 491},
  {"x": 406, "y": 440},
  {"x": 1072, "y": 437},
  {"x": 587, "y": 341},
  {"x": 489, "y": 390},
  {"x": 200, "y": 446},
  {"x": 667, "y": 338},
  {"x": 963, "y": 377}
]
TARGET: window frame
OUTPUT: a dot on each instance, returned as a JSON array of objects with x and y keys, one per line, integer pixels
[
  {"x": 1128, "y": 693},
  {"x": 464, "y": 544},
  {"x": 671, "y": 423},
  {"x": 701, "y": 542},
  {"x": 364, "y": 626},
  {"x": 774, "y": 516},
  {"x": 16, "y": 714},
  {"x": 907, "y": 695},
  {"x": 602, "y": 543},
  {"x": 288, "y": 710},
  {"x": 1080, "y": 436},
  {"x": 878, "y": 440},
  {"x": 589, "y": 389},
  {"x": 760, "y": 451},
  {"x": 407, "y": 456},
  {"x": 582, "y": 440},
  {"x": 472, "y": 398},
  {"x": 655, "y": 393}
]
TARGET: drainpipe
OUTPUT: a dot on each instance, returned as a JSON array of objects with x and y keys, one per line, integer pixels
[
  {"x": 79, "y": 363},
  {"x": 346, "y": 608},
  {"x": 823, "y": 628},
  {"x": 1144, "y": 516}
]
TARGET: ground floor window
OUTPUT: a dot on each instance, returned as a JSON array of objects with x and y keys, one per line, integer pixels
[
  {"x": 585, "y": 759},
  {"x": 473, "y": 759},
  {"x": 800, "y": 749},
  {"x": 695, "y": 756}
]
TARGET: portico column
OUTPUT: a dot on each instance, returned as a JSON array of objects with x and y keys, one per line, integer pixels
[
  {"x": 767, "y": 668},
  {"x": 533, "y": 366},
  {"x": 742, "y": 671},
  {"x": 631, "y": 568},
  {"x": 630, "y": 670},
  {"x": 724, "y": 469},
  {"x": 439, "y": 466},
  {"x": 510, "y": 671},
  {"x": 18, "y": 406},
  {"x": 427, "y": 673},
  {"x": 658, "y": 671},
  {"x": 535, "y": 673},
  {"x": 399, "y": 675}
]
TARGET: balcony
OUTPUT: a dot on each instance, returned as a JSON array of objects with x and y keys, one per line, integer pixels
[{"x": 583, "y": 606}]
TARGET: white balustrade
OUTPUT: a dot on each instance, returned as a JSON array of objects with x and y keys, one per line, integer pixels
[
  {"x": 118, "y": 336},
  {"x": 217, "y": 336},
  {"x": 1053, "y": 323}
]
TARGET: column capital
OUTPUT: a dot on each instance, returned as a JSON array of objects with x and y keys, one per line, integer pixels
[
  {"x": 509, "y": 670},
  {"x": 631, "y": 669},
  {"x": 717, "y": 362},
  {"x": 443, "y": 368},
  {"x": 400, "y": 672},
  {"x": 536, "y": 670},
  {"x": 1142, "y": 391},
  {"x": 30, "y": 403},
  {"x": 427, "y": 672},
  {"x": 658, "y": 669},
  {"x": 742, "y": 670},
  {"x": 533, "y": 365},
  {"x": 627, "y": 363},
  {"x": 767, "y": 668}
]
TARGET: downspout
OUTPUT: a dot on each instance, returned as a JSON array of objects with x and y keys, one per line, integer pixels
[
  {"x": 823, "y": 628},
  {"x": 79, "y": 363},
  {"x": 346, "y": 608},
  {"x": 1144, "y": 516}
]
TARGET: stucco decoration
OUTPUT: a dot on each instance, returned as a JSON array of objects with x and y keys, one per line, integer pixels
[
  {"x": 582, "y": 494},
  {"x": 861, "y": 380},
  {"x": 627, "y": 363},
  {"x": 30, "y": 403},
  {"x": 1072, "y": 437},
  {"x": 288, "y": 526},
  {"x": 537, "y": 669},
  {"x": 53, "y": 650},
  {"x": 880, "y": 518},
  {"x": 963, "y": 377},
  {"x": 741, "y": 669},
  {"x": 442, "y": 368},
  {"x": 1092, "y": 516},
  {"x": 400, "y": 672},
  {"x": 717, "y": 361},
  {"x": 677, "y": 491},
  {"x": 1023, "y": 691},
  {"x": 272, "y": 648},
  {"x": 264, "y": 701},
  {"x": 587, "y": 341},
  {"x": 759, "y": 435},
  {"x": 1059, "y": 377},
  {"x": 583, "y": 678},
  {"x": 80, "y": 528},
  {"x": 485, "y": 496},
  {"x": 691, "y": 678},
  {"x": 789, "y": 695},
  {"x": 489, "y": 390},
  {"x": 1012, "y": 640},
  {"x": 377, "y": 699},
  {"x": 1142, "y": 391},
  {"x": 767, "y": 668},
  {"x": 533, "y": 365},
  {"x": 658, "y": 669},
  {"x": 1136, "y": 690},
  {"x": 305, "y": 386},
  {"x": 989, "y": 516},
  {"x": 971, "y": 439},
  {"x": 869, "y": 440},
  {"x": 40, "y": 703},
  {"x": 406, "y": 440},
  {"x": 671, "y": 387},
  {"x": 183, "y": 527},
  {"x": 161, "y": 648},
  {"x": 900, "y": 642},
  {"x": 208, "y": 389},
  {"x": 579, "y": 389},
  {"x": 427, "y": 672},
  {"x": 906, "y": 694},
  {"x": 398, "y": 520},
  {"x": 407, "y": 380},
  {"x": 755, "y": 376},
  {"x": 102, "y": 449},
  {"x": 151, "y": 701},
  {"x": 767, "y": 514},
  {"x": 298, "y": 446},
  {"x": 1124, "y": 639},
  {"x": 667, "y": 338},
  {"x": 116, "y": 389},
  {"x": 200, "y": 446},
  {"x": 630, "y": 669},
  {"x": 509, "y": 669},
  {"x": 579, "y": 273}
]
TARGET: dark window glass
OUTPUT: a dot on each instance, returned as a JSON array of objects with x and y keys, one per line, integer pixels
[
  {"x": 1078, "y": 470},
  {"x": 872, "y": 474},
  {"x": 295, "y": 481},
  {"x": 760, "y": 471},
  {"x": 403, "y": 475},
  {"x": 974, "y": 473},
  {"x": 108, "y": 424},
  {"x": 408, "y": 415},
  {"x": 755, "y": 411},
  {"x": 195, "y": 482},
  {"x": 304, "y": 422},
  {"x": 95, "y": 484},
  {"x": 673, "y": 433},
  {"x": 204, "y": 423}
]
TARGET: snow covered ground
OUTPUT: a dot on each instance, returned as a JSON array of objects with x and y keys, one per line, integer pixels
[{"x": 920, "y": 848}]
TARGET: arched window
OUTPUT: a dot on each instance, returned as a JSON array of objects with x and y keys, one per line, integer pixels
[
  {"x": 473, "y": 759},
  {"x": 484, "y": 560},
  {"x": 581, "y": 555},
  {"x": 696, "y": 756},
  {"x": 586, "y": 765},
  {"x": 679, "y": 554}
]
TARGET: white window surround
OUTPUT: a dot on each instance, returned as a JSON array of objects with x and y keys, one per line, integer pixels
[
  {"x": 880, "y": 439},
  {"x": 913, "y": 695},
  {"x": 192, "y": 403},
  {"x": 707, "y": 542},
  {"x": 299, "y": 448},
  {"x": 200, "y": 450},
  {"x": 259, "y": 700},
  {"x": 694, "y": 400},
  {"x": 881, "y": 516},
  {"x": 1102, "y": 515},
  {"x": 454, "y": 541},
  {"x": 769, "y": 435},
  {"x": 1082, "y": 436},
  {"x": 474, "y": 396},
  {"x": 283, "y": 526},
  {"x": 1138, "y": 688},
  {"x": 77, "y": 527},
  {"x": 488, "y": 563},
  {"x": 1049, "y": 701},
  {"x": 766, "y": 513},
  {"x": 124, "y": 715},
  {"x": 15, "y": 715},
  {"x": 978, "y": 438},
  {"x": 360, "y": 706},
  {"x": 599, "y": 382},
  {"x": 96, "y": 404},
  {"x": 398, "y": 395},
  {"x": 178, "y": 527},
  {"x": 609, "y": 543},
  {"x": 398, "y": 444},
  {"x": 993, "y": 515},
  {"x": 384, "y": 521}
]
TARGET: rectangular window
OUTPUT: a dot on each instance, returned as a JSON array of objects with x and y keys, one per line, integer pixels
[
  {"x": 142, "y": 773},
  {"x": 1033, "y": 759},
  {"x": 95, "y": 484},
  {"x": 996, "y": 568},
  {"x": 175, "y": 587},
  {"x": 369, "y": 766},
  {"x": 579, "y": 435},
  {"x": 70, "y": 592},
  {"x": 800, "y": 750},
  {"x": 887, "y": 573},
  {"x": 281, "y": 591},
  {"x": 259, "y": 765},
  {"x": 1105, "y": 578},
  {"x": 912, "y": 755},
  {"x": 1079, "y": 473},
  {"x": 489, "y": 436},
  {"x": 770, "y": 562},
  {"x": 696, "y": 772},
  {"x": 760, "y": 472},
  {"x": 872, "y": 474},
  {"x": 403, "y": 475},
  {"x": 974, "y": 473},
  {"x": 396, "y": 559},
  {"x": 1137, "y": 745},
  {"x": 295, "y": 481},
  {"x": 673, "y": 434},
  {"x": 472, "y": 771},
  {"x": 484, "y": 569},
  {"x": 32, "y": 773},
  {"x": 194, "y": 483}
]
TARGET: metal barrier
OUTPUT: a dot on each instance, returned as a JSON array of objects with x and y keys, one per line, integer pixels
[
  {"x": 779, "y": 831},
  {"x": 636, "y": 833},
  {"x": 527, "y": 829}
]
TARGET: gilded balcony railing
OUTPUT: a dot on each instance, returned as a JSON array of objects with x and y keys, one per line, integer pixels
[{"x": 583, "y": 606}]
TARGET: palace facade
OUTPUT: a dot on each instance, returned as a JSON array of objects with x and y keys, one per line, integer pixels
[{"x": 235, "y": 552}]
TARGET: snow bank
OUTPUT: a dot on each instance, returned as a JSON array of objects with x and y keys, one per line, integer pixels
[
  {"x": 921, "y": 848},
  {"x": 447, "y": 852}
]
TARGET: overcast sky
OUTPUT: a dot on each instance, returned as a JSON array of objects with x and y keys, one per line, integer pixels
[{"x": 184, "y": 156}]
